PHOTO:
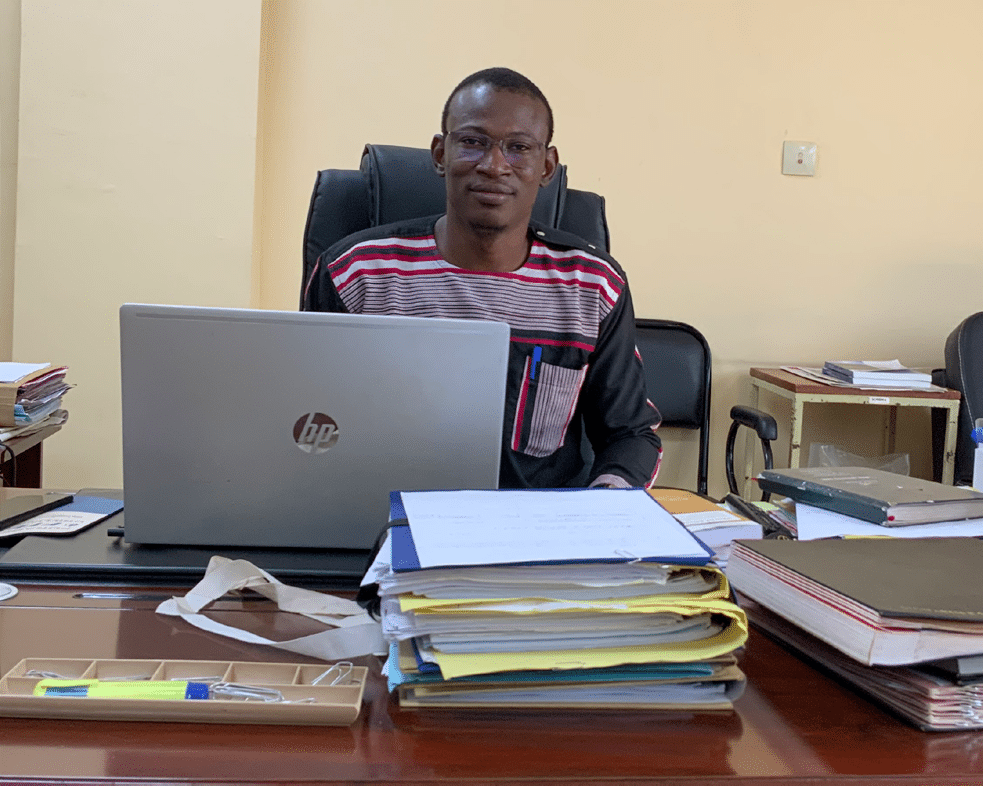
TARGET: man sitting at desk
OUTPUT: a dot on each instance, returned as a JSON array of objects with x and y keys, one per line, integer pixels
[{"x": 573, "y": 367}]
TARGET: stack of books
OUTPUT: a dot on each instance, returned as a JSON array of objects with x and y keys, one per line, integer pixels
[
  {"x": 933, "y": 696},
  {"x": 876, "y": 373},
  {"x": 580, "y": 599},
  {"x": 888, "y": 615},
  {"x": 30, "y": 397}
]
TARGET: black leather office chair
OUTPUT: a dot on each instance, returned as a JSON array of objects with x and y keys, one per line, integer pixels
[
  {"x": 678, "y": 368},
  {"x": 399, "y": 183},
  {"x": 963, "y": 372}
]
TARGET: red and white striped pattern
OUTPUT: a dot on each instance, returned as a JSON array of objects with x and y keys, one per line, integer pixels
[{"x": 558, "y": 298}]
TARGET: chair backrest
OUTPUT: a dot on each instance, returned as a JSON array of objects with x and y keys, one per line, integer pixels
[
  {"x": 399, "y": 183},
  {"x": 676, "y": 359},
  {"x": 964, "y": 372}
]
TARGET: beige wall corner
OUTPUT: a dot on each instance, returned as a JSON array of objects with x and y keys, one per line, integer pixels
[{"x": 136, "y": 178}]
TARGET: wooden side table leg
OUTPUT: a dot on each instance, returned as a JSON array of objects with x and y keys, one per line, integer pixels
[
  {"x": 949, "y": 455},
  {"x": 795, "y": 434},
  {"x": 890, "y": 429}
]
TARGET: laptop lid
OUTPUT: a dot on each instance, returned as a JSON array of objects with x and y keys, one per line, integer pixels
[{"x": 273, "y": 428}]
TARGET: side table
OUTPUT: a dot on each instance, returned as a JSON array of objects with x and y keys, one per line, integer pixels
[
  {"x": 801, "y": 391},
  {"x": 27, "y": 450}
]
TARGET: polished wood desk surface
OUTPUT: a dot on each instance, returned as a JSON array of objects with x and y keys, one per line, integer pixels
[{"x": 793, "y": 725}]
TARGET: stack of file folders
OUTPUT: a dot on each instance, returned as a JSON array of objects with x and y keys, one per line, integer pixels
[
  {"x": 31, "y": 397},
  {"x": 899, "y": 618},
  {"x": 565, "y": 624}
]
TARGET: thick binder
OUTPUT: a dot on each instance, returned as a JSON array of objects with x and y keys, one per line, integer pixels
[
  {"x": 932, "y": 702},
  {"x": 874, "y": 495},
  {"x": 888, "y": 601}
]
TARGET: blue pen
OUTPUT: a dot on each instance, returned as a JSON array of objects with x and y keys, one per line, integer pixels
[{"x": 537, "y": 353}]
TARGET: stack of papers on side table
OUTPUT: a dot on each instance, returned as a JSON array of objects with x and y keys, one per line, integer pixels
[
  {"x": 581, "y": 598},
  {"x": 884, "y": 373},
  {"x": 31, "y": 397}
]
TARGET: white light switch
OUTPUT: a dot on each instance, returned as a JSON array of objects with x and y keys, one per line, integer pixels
[{"x": 799, "y": 158}]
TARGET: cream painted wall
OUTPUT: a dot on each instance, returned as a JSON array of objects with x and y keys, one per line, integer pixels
[
  {"x": 676, "y": 111},
  {"x": 9, "y": 88},
  {"x": 137, "y": 156},
  {"x": 138, "y": 135}
]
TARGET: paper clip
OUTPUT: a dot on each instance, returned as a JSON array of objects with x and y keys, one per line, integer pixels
[
  {"x": 236, "y": 690},
  {"x": 343, "y": 671}
]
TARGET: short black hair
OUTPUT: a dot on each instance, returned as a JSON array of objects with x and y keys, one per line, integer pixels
[{"x": 501, "y": 79}]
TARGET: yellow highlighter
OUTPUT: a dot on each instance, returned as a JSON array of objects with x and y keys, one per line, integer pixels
[{"x": 138, "y": 689}]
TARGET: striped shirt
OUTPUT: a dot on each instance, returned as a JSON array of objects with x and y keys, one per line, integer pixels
[{"x": 573, "y": 364}]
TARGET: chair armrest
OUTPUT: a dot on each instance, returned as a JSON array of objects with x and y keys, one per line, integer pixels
[{"x": 763, "y": 424}]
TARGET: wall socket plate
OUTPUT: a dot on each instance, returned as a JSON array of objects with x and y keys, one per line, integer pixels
[{"x": 799, "y": 158}]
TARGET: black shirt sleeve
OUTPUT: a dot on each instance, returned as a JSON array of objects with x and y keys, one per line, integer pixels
[
  {"x": 619, "y": 419},
  {"x": 319, "y": 291}
]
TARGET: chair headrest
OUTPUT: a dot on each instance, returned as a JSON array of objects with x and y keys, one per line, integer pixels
[
  {"x": 403, "y": 185},
  {"x": 396, "y": 183}
]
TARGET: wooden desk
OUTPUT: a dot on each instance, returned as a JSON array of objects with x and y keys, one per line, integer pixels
[
  {"x": 801, "y": 391},
  {"x": 27, "y": 450},
  {"x": 793, "y": 725}
]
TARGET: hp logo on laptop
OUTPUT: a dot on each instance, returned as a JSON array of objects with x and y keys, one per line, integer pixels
[{"x": 315, "y": 432}]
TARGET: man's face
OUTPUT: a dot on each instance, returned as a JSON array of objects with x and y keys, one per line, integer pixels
[{"x": 492, "y": 194}]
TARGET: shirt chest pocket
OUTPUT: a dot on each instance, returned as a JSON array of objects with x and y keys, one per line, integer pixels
[{"x": 547, "y": 401}]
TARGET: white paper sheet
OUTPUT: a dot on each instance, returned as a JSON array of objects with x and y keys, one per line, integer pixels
[
  {"x": 53, "y": 523},
  {"x": 814, "y": 523},
  {"x": 11, "y": 372},
  {"x": 496, "y": 527}
]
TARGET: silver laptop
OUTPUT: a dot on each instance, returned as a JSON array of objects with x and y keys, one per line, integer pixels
[{"x": 276, "y": 428}]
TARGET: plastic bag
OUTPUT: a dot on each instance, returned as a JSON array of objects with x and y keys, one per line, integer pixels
[{"x": 832, "y": 456}]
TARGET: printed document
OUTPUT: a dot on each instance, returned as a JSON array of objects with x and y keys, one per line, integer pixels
[{"x": 496, "y": 527}]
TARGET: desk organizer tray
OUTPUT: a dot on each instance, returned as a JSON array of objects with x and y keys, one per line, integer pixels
[{"x": 325, "y": 704}]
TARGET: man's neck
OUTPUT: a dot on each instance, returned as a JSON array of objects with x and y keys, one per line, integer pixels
[{"x": 472, "y": 248}]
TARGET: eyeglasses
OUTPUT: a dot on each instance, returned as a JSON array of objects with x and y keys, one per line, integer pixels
[{"x": 519, "y": 152}]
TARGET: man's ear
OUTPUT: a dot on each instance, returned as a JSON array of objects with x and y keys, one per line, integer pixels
[
  {"x": 437, "y": 153},
  {"x": 549, "y": 167}
]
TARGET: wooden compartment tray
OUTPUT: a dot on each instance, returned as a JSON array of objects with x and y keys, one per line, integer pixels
[{"x": 327, "y": 705}]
